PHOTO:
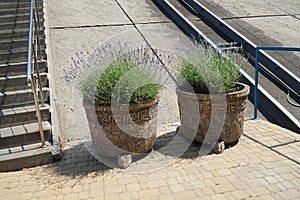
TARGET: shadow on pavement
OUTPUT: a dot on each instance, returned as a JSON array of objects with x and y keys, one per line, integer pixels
[
  {"x": 77, "y": 160},
  {"x": 175, "y": 145}
]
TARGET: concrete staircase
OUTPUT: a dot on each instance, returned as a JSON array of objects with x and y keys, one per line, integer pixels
[{"x": 20, "y": 142}]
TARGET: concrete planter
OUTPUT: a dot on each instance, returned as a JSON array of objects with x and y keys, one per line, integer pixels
[
  {"x": 123, "y": 130},
  {"x": 206, "y": 123}
]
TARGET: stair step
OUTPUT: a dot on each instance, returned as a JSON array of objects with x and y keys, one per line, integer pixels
[
  {"x": 19, "y": 82},
  {"x": 14, "y": 1},
  {"x": 8, "y": 44},
  {"x": 17, "y": 55},
  {"x": 22, "y": 115},
  {"x": 15, "y": 25},
  {"x": 17, "y": 10},
  {"x": 13, "y": 69},
  {"x": 15, "y": 5},
  {"x": 13, "y": 56},
  {"x": 17, "y": 50},
  {"x": 23, "y": 135},
  {"x": 25, "y": 156},
  {"x": 17, "y": 30},
  {"x": 20, "y": 98},
  {"x": 20, "y": 143},
  {"x": 17, "y": 17},
  {"x": 14, "y": 18},
  {"x": 18, "y": 33}
]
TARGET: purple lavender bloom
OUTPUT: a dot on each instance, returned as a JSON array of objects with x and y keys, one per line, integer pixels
[{"x": 87, "y": 67}]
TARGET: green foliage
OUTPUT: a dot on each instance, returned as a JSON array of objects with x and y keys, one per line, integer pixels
[
  {"x": 122, "y": 82},
  {"x": 209, "y": 72}
]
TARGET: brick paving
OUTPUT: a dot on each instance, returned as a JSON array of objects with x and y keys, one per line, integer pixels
[{"x": 263, "y": 165}]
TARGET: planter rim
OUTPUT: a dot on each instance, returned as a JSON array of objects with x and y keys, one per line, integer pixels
[
  {"x": 245, "y": 91},
  {"x": 123, "y": 107}
]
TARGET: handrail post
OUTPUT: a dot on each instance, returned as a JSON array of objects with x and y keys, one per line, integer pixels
[
  {"x": 38, "y": 55},
  {"x": 37, "y": 28},
  {"x": 256, "y": 81},
  {"x": 39, "y": 82},
  {"x": 270, "y": 48},
  {"x": 38, "y": 113},
  {"x": 31, "y": 80}
]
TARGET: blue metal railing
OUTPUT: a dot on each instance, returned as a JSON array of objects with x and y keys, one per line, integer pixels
[
  {"x": 271, "y": 48},
  {"x": 29, "y": 57}
]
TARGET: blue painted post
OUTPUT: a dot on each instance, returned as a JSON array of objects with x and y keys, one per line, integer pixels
[
  {"x": 29, "y": 56},
  {"x": 256, "y": 82},
  {"x": 257, "y": 69}
]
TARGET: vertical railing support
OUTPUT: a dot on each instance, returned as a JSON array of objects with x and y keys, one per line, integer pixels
[
  {"x": 35, "y": 80},
  {"x": 256, "y": 82},
  {"x": 38, "y": 112},
  {"x": 270, "y": 48}
]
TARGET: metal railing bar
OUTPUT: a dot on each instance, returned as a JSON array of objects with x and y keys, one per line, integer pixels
[
  {"x": 38, "y": 113},
  {"x": 268, "y": 103},
  {"x": 29, "y": 56},
  {"x": 32, "y": 65},
  {"x": 257, "y": 53},
  {"x": 37, "y": 27},
  {"x": 38, "y": 76}
]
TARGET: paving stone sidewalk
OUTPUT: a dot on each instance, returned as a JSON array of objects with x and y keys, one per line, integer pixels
[{"x": 263, "y": 165}]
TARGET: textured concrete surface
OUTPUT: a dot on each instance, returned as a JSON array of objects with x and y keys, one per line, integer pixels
[
  {"x": 142, "y": 11},
  {"x": 285, "y": 24},
  {"x": 288, "y": 6},
  {"x": 244, "y": 8},
  {"x": 269, "y": 22},
  {"x": 84, "y": 13}
]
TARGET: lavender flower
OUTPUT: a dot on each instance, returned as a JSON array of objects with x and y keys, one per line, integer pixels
[{"x": 88, "y": 69}]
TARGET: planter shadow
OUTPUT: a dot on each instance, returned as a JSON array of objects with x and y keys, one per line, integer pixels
[
  {"x": 176, "y": 145},
  {"x": 77, "y": 160}
]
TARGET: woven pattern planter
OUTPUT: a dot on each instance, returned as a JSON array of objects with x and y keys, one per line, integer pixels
[
  {"x": 109, "y": 127},
  {"x": 196, "y": 115}
]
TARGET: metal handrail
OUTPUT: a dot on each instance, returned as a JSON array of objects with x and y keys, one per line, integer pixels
[
  {"x": 32, "y": 64},
  {"x": 29, "y": 57},
  {"x": 257, "y": 53}
]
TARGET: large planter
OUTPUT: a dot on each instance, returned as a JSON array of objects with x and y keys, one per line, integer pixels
[
  {"x": 115, "y": 131},
  {"x": 226, "y": 123}
]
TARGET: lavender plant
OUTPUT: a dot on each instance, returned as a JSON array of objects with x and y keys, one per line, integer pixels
[
  {"x": 117, "y": 74},
  {"x": 206, "y": 71}
]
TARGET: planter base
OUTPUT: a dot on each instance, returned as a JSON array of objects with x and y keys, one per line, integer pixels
[
  {"x": 225, "y": 124},
  {"x": 123, "y": 132},
  {"x": 218, "y": 147},
  {"x": 124, "y": 160}
]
